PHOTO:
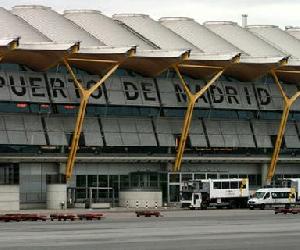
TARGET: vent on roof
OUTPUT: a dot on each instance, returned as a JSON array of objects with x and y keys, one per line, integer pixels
[
  {"x": 297, "y": 28},
  {"x": 220, "y": 23},
  {"x": 31, "y": 7},
  {"x": 129, "y": 15},
  {"x": 82, "y": 11},
  {"x": 175, "y": 19},
  {"x": 262, "y": 26},
  {"x": 244, "y": 20}
]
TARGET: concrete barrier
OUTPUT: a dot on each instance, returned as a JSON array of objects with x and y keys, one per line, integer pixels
[
  {"x": 9, "y": 197},
  {"x": 144, "y": 199}
]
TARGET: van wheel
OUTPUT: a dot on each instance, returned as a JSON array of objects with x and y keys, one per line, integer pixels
[{"x": 262, "y": 207}]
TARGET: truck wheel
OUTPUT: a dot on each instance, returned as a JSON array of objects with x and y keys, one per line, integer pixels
[
  {"x": 203, "y": 207},
  {"x": 262, "y": 207},
  {"x": 251, "y": 208},
  {"x": 232, "y": 205}
]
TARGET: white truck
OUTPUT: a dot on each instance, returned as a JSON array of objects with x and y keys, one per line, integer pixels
[
  {"x": 230, "y": 193},
  {"x": 277, "y": 196}
]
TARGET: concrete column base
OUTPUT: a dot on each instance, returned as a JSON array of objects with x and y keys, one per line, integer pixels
[
  {"x": 9, "y": 197},
  {"x": 264, "y": 173},
  {"x": 56, "y": 196}
]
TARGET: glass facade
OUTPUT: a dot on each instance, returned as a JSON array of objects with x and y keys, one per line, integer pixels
[{"x": 144, "y": 122}]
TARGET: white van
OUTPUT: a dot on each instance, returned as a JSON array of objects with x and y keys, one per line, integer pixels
[{"x": 271, "y": 197}]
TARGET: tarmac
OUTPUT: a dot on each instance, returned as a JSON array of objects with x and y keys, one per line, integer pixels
[{"x": 177, "y": 229}]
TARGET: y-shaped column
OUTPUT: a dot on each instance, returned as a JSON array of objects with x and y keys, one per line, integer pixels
[
  {"x": 287, "y": 102},
  {"x": 84, "y": 98},
  {"x": 192, "y": 98}
]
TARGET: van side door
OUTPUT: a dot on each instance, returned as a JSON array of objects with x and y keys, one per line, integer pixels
[{"x": 267, "y": 198}]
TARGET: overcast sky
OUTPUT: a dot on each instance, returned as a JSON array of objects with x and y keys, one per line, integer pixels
[{"x": 277, "y": 12}]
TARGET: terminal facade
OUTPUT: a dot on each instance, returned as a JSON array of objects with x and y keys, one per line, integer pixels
[{"x": 132, "y": 129}]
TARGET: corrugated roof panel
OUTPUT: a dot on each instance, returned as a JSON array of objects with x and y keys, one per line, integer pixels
[
  {"x": 278, "y": 38},
  {"x": 111, "y": 32},
  {"x": 156, "y": 33},
  {"x": 294, "y": 31},
  {"x": 198, "y": 35},
  {"x": 243, "y": 39},
  {"x": 54, "y": 25},
  {"x": 14, "y": 26}
]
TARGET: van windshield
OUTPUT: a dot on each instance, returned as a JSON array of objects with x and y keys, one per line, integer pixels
[{"x": 259, "y": 195}]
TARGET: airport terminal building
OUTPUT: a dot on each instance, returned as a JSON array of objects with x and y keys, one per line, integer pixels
[{"x": 132, "y": 124}]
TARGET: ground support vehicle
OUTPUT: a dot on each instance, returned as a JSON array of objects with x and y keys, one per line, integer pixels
[
  {"x": 229, "y": 193},
  {"x": 287, "y": 210},
  {"x": 22, "y": 217},
  {"x": 286, "y": 196},
  {"x": 272, "y": 197},
  {"x": 90, "y": 216},
  {"x": 147, "y": 213}
]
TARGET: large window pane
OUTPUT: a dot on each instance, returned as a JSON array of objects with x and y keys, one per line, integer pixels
[
  {"x": 174, "y": 177},
  {"x": 212, "y": 176},
  {"x": 186, "y": 177},
  {"x": 114, "y": 183},
  {"x": 174, "y": 193},
  {"x": 103, "y": 181},
  {"x": 153, "y": 180},
  {"x": 124, "y": 181},
  {"x": 200, "y": 176},
  {"x": 92, "y": 180},
  {"x": 81, "y": 181}
]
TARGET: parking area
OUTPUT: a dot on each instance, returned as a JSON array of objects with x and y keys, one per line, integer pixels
[{"x": 212, "y": 229}]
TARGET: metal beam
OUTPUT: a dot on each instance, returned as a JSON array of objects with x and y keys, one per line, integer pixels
[
  {"x": 192, "y": 98},
  {"x": 121, "y": 158},
  {"x": 287, "y": 102},
  {"x": 92, "y": 60},
  {"x": 84, "y": 98}
]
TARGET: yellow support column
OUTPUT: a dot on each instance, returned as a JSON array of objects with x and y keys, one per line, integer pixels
[
  {"x": 192, "y": 98},
  {"x": 287, "y": 102},
  {"x": 84, "y": 98}
]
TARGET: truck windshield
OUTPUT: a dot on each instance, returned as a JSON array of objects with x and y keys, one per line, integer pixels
[
  {"x": 259, "y": 195},
  {"x": 186, "y": 196}
]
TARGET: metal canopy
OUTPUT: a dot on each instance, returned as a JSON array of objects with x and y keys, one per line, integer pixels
[
  {"x": 293, "y": 30},
  {"x": 149, "y": 60},
  {"x": 198, "y": 65},
  {"x": 199, "y": 35},
  {"x": 154, "y": 32},
  {"x": 7, "y": 44},
  {"x": 249, "y": 68},
  {"x": 54, "y": 26},
  {"x": 111, "y": 33},
  {"x": 284, "y": 42},
  {"x": 42, "y": 56},
  {"x": 203, "y": 66},
  {"x": 258, "y": 56},
  {"x": 39, "y": 56},
  {"x": 97, "y": 60},
  {"x": 13, "y": 26}
]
